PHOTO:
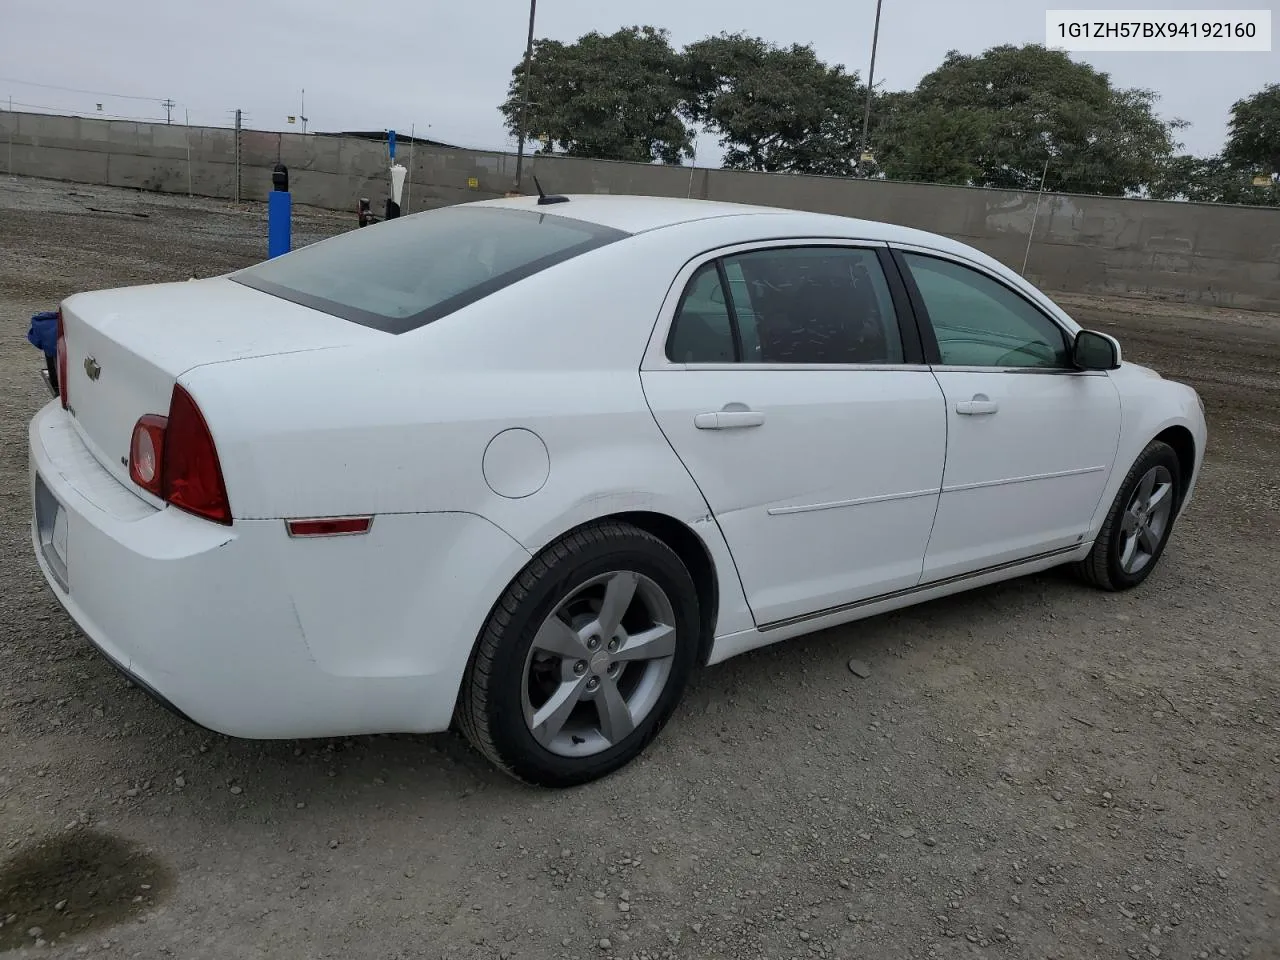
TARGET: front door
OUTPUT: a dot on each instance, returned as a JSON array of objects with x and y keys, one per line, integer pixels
[
  {"x": 785, "y": 385},
  {"x": 1031, "y": 441}
]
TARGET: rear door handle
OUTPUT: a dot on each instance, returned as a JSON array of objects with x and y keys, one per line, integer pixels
[
  {"x": 980, "y": 406},
  {"x": 728, "y": 420}
]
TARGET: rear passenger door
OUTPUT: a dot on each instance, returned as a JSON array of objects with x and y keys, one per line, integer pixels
[{"x": 800, "y": 404}]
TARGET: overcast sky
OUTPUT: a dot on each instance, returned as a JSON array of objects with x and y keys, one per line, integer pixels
[{"x": 444, "y": 66}]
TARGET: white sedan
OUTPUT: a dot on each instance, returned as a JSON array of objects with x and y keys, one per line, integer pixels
[{"x": 523, "y": 465}]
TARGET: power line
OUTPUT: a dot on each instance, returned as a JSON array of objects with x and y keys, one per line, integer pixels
[
  {"x": 83, "y": 114},
  {"x": 93, "y": 93}
]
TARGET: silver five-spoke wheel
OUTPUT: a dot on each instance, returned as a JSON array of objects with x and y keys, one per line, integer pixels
[
  {"x": 598, "y": 664},
  {"x": 1146, "y": 519}
]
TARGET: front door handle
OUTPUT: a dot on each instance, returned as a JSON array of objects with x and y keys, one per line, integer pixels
[
  {"x": 980, "y": 406},
  {"x": 731, "y": 418}
]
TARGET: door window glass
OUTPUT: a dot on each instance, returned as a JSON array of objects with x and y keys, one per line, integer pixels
[
  {"x": 980, "y": 322},
  {"x": 701, "y": 331},
  {"x": 824, "y": 305}
]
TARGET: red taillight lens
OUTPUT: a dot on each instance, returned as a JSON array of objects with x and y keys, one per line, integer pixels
[
  {"x": 63, "y": 395},
  {"x": 175, "y": 459},
  {"x": 191, "y": 476},
  {"x": 146, "y": 453}
]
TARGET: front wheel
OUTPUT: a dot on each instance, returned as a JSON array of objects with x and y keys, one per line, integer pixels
[
  {"x": 584, "y": 657},
  {"x": 1137, "y": 528}
]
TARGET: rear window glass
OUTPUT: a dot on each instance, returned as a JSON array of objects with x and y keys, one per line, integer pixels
[{"x": 398, "y": 275}]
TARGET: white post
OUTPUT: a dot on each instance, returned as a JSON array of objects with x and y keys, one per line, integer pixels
[
  {"x": 693, "y": 166},
  {"x": 187, "y": 117},
  {"x": 1034, "y": 217}
]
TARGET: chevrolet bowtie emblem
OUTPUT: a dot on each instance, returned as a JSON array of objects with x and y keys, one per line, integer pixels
[{"x": 91, "y": 368}]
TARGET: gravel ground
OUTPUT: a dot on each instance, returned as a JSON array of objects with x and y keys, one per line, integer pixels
[{"x": 1031, "y": 770}]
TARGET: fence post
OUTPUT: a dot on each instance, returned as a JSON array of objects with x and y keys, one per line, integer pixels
[{"x": 237, "y": 155}]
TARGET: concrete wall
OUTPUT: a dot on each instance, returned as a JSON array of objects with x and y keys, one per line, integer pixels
[{"x": 1205, "y": 253}]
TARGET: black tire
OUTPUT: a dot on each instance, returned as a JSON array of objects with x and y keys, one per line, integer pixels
[
  {"x": 1102, "y": 567},
  {"x": 490, "y": 709}
]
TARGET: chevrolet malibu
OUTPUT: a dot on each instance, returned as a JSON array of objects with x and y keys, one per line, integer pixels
[{"x": 521, "y": 466}]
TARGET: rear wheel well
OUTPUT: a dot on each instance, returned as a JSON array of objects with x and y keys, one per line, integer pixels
[
  {"x": 697, "y": 560},
  {"x": 1184, "y": 445}
]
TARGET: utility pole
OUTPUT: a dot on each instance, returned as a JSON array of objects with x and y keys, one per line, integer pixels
[
  {"x": 168, "y": 109},
  {"x": 871, "y": 76},
  {"x": 524, "y": 104},
  {"x": 302, "y": 114},
  {"x": 237, "y": 155}
]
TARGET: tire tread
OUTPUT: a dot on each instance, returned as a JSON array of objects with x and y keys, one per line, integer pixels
[
  {"x": 473, "y": 712},
  {"x": 1095, "y": 569}
]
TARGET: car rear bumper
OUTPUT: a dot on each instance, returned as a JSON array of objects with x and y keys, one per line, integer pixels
[{"x": 249, "y": 632}]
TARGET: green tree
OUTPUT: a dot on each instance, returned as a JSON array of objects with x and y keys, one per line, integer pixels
[
  {"x": 913, "y": 141},
  {"x": 1211, "y": 180},
  {"x": 1021, "y": 106},
  {"x": 1253, "y": 135},
  {"x": 614, "y": 97},
  {"x": 774, "y": 108}
]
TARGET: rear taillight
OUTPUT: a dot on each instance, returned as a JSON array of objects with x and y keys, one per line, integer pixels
[
  {"x": 175, "y": 458},
  {"x": 146, "y": 453},
  {"x": 63, "y": 394}
]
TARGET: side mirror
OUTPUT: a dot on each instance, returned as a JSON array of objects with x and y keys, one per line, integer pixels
[{"x": 1095, "y": 351}]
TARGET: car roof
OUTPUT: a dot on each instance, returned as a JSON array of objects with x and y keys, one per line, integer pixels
[
  {"x": 639, "y": 214},
  {"x": 632, "y": 214}
]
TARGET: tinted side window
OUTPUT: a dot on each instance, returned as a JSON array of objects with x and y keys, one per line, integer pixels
[
  {"x": 814, "y": 305},
  {"x": 701, "y": 331},
  {"x": 980, "y": 322}
]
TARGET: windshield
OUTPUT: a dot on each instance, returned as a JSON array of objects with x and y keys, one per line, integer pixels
[{"x": 398, "y": 275}]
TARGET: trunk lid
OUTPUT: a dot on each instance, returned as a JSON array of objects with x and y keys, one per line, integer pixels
[{"x": 127, "y": 347}]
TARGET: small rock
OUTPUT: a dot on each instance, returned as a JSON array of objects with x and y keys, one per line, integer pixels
[
  {"x": 859, "y": 669},
  {"x": 605, "y": 943},
  {"x": 695, "y": 927},
  {"x": 624, "y": 907},
  {"x": 1222, "y": 873},
  {"x": 906, "y": 833},
  {"x": 566, "y": 853},
  {"x": 1153, "y": 949},
  {"x": 930, "y": 842},
  {"x": 624, "y": 895},
  {"x": 299, "y": 805},
  {"x": 179, "y": 782},
  {"x": 1057, "y": 795},
  {"x": 131, "y": 792},
  {"x": 845, "y": 884},
  {"x": 599, "y": 894},
  {"x": 333, "y": 844},
  {"x": 804, "y": 935},
  {"x": 237, "y": 790},
  {"x": 35, "y": 932},
  {"x": 60, "y": 905}
]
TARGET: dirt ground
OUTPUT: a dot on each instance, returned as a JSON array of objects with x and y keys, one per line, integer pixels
[{"x": 1034, "y": 770}]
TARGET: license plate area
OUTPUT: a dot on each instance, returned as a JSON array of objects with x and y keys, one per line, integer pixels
[{"x": 51, "y": 532}]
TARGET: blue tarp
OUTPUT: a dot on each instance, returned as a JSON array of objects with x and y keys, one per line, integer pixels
[{"x": 44, "y": 332}]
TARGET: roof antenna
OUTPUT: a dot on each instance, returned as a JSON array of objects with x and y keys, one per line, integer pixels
[{"x": 544, "y": 198}]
